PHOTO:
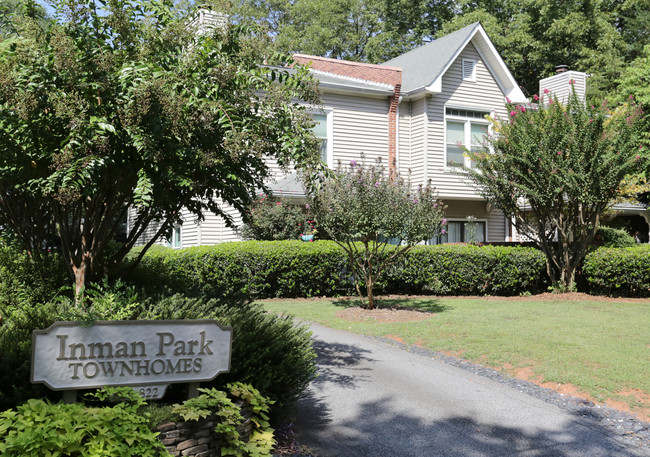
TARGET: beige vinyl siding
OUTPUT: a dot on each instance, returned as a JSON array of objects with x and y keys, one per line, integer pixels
[
  {"x": 404, "y": 138},
  {"x": 190, "y": 230},
  {"x": 214, "y": 229},
  {"x": 149, "y": 231},
  {"x": 484, "y": 94},
  {"x": 560, "y": 86},
  {"x": 360, "y": 125},
  {"x": 417, "y": 141},
  {"x": 460, "y": 209}
]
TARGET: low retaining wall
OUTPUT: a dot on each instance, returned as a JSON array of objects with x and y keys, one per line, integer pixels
[{"x": 198, "y": 438}]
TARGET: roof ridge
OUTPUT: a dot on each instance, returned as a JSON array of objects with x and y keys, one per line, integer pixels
[
  {"x": 379, "y": 66},
  {"x": 436, "y": 41}
]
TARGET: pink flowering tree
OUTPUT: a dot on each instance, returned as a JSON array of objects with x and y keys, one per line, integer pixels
[
  {"x": 273, "y": 219},
  {"x": 375, "y": 218},
  {"x": 554, "y": 169}
]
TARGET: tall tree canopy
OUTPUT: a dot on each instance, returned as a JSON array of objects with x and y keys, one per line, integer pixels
[
  {"x": 125, "y": 106},
  {"x": 599, "y": 37}
]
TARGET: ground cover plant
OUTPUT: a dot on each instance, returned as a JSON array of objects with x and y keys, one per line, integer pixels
[{"x": 597, "y": 346}]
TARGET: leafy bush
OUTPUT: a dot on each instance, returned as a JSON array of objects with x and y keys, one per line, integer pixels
[
  {"x": 213, "y": 403},
  {"x": 39, "y": 427},
  {"x": 257, "y": 269},
  {"x": 610, "y": 237},
  {"x": 272, "y": 219},
  {"x": 269, "y": 351},
  {"x": 27, "y": 288},
  {"x": 295, "y": 269},
  {"x": 470, "y": 270},
  {"x": 619, "y": 271}
]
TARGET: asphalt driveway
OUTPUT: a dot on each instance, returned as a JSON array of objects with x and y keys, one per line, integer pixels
[{"x": 377, "y": 400}]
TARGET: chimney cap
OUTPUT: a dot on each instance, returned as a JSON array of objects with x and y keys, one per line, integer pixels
[{"x": 561, "y": 68}]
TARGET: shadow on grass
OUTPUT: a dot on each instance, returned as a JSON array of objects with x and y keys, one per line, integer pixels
[{"x": 423, "y": 305}]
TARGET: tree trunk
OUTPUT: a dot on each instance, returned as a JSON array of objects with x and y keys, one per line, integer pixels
[
  {"x": 371, "y": 296},
  {"x": 81, "y": 273}
]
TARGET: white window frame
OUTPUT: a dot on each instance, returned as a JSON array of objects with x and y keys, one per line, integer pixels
[
  {"x": 329, "y": 149},
  {"x": 461, "y": 220},
  {"x": 467, "y": 121},
  {"x": 175, "y": 241},
  {"x": 472, "y": 76}
]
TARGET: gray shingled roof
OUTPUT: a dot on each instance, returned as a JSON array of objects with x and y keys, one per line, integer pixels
[{"x": 421, "y": 66}]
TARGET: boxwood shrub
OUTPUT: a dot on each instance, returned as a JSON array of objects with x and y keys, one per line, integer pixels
[
  {"x": 264, "y": 269},
  {"x": 619, "y": 271}
]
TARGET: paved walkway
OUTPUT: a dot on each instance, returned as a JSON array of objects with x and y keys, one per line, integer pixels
[{"x": 374, "y": 399}]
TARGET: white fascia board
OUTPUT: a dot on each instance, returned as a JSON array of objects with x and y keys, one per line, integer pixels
[
  {"x": 345, "y": 90},
  {"x": 498, "y": 67},
  {"x": 492, "y": 60}
]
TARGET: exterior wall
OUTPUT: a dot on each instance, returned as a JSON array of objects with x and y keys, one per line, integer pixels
[
  {"x": 190, "y": 230},
  {"x": 484, "y": 94},
  {"x": 360, "y": 125},
  {"x": 412, "y": 146},
  {"x": 214, "y": 229}
]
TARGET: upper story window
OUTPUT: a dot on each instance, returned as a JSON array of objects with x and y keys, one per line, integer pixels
[
  {"x": 469, "y": 70},
  {"x": 321, "y": 130},
  {"x": 464, "y": 129}
]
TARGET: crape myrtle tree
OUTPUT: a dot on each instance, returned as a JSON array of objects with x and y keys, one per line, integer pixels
[
  {"x": 375, "y": 217},
  {"x": 554, "y": 169},
  {"x": 119, "y": 105}
]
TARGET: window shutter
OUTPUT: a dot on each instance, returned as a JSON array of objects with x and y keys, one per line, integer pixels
[{"x": 469, "y": 70}]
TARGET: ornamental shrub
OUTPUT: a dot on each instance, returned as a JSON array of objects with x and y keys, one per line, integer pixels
[
  {"x": 610, "y": 237},
  {"x": 258, "y": 269},
  {"x": 267, "y": 350},
  {"x": 470, "y": 270},
  {"x": 27, "y": 288},
  {"x": 619, "y": 271},
  {"x": 39, "y": 427},
  {"x": 365, "y": 208},
  {"x": 295, "y": 269},
  {"x": 271, "y": 219}
]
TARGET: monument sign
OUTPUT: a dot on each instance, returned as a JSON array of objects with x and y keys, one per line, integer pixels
[{"x": 68, "y": 356}]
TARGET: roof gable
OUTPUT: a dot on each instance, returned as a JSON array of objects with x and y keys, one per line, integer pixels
[{"x": 424, "y": 67}]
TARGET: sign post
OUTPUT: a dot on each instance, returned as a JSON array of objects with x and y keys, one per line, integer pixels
[{"x": 147, "y": 355}]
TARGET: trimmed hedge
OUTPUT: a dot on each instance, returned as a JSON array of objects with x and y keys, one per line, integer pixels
[
  {"x": 619, "y": 271},
  {"x": 471, "y": 270},
  {"x": 264, "y": 269}
]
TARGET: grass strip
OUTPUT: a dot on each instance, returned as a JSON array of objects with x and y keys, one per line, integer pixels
[{"x": 600, "y": 348}]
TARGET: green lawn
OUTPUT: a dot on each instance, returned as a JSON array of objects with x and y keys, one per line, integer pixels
[{"x": 601, "y": 348}]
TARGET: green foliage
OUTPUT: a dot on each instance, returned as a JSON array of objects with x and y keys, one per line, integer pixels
[
  {"x": 27, "y": 288},
  {"x": 469, "y": 270},
  {"x": 267, "y": 350},
  {"x": 123, "y": 106},
  {"x": 100, "y": 301},
  {"x": 39, "y": 427},
  {"x": 364, "y": 210},
  {"x": 609, "y": 237},
  {"x": 619, "y": 271},
  {"x": 271, "y": 219},
  {"x": 216, "y": 403},
  {"x": 555, "y": 170},
  {"x": 258, "y": 269},
  {"x": 445, "y": 269}
]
